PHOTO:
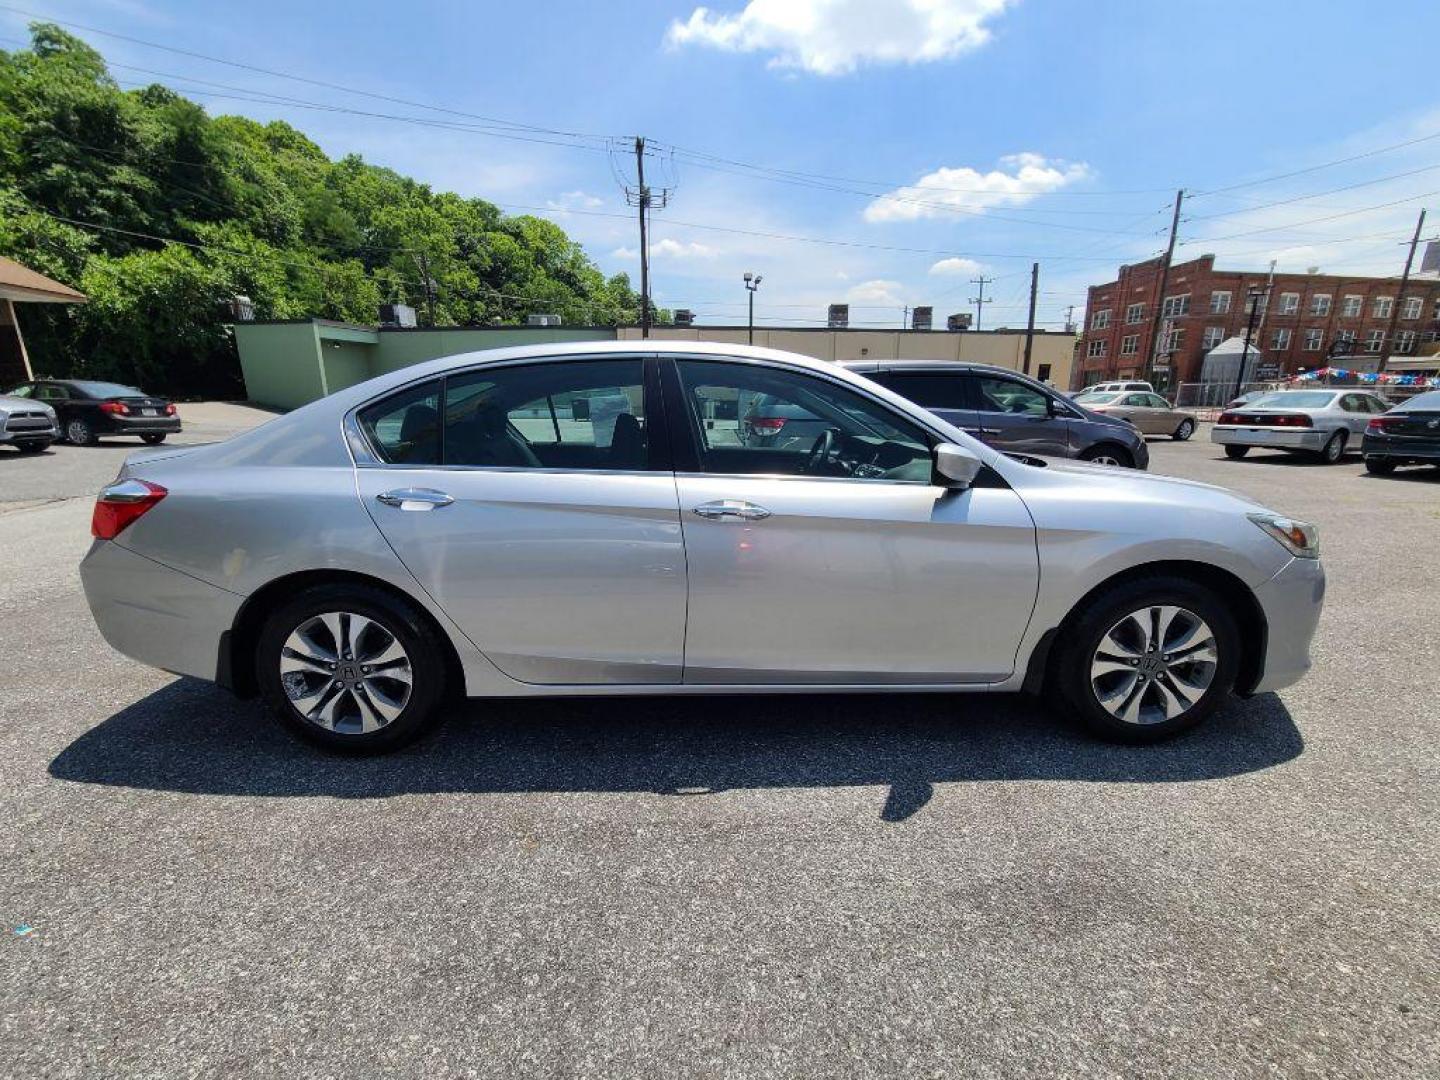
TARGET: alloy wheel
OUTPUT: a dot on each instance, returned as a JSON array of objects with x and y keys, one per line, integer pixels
[
  {"x": 346, "y": 673},
  {"x": 1105, "y": 459},
  {"x": 1154, "y": 664}
]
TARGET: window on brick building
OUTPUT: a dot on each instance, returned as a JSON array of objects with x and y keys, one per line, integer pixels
[
  {"x": 1412, "y": 308},
  {"x": 1175, "y": 305},
  {"x": 1096, "y": 348},
  {"x": 1100, "y": 320},
  {"x": 1134, "y": 313},
  {"x": 1213, "y": 336},
  {"x": 1314, "y": 339},
  {"x": 1173, "y": 340},
  {"x": 1259, "y": 303},
  {"x": 1345, "y": 337},
  {"x": 1350, "y": 307},
  {"x": 1405, "y": 341},
  {"x": 1374, "y": 341},
  {"x": 1281, "y": 338},
  {"x": 1381, "y": 306},
  {"x": 1289, "y": 303},
  {"x": 1129, "y": 344},
  {"x": 1320, "y": 304},
  {"x": 1219, "y": 302}
]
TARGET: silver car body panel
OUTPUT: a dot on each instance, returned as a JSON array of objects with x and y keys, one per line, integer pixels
[
  {"x": 1325, "y": 422},
  {"x": 854, "y": 584}
]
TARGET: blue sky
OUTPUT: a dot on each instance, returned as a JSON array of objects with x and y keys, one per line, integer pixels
[{"x": 979, "y": 134}]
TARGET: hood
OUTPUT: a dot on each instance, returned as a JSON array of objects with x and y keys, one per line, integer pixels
[
  {"x": 1151, "y": 487},
  {"x": 1103, "y": 418},
  {"x": 8, "y": 401}
]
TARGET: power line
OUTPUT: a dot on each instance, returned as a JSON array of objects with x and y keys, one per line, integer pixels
[
  {"x": 1316, "y": 195},
  {"x": 1317, "y": 168},
  {"x": 1313, "y": 221}
]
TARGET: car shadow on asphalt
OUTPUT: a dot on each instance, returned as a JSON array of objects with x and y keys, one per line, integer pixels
[{"x": 194, "y": 738}]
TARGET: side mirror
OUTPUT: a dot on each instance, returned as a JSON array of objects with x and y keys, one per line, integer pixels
[{"x": 955, "y": 467}]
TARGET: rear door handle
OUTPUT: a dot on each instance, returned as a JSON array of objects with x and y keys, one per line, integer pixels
[
  {"x": 981, "y": 430},
  {"x": 732, "y": 508},
  {"x": 416, "y": 498}
]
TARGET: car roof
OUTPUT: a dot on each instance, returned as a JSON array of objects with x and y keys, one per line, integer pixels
[{"x": 865, "y": 367}]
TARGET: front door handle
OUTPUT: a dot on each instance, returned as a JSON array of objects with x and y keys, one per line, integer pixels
[
  {"x": 732, "y": 508},
  {"x": 416, "y": 498},
  {"x": 981, "y": 430}
]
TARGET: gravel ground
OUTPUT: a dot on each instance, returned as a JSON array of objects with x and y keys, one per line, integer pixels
[{"x": 831, "y": 886}]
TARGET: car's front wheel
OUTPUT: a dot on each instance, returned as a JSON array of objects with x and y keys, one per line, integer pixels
[
  {"x": 1148, "y": 658},
  {"x": 1108, "y": 454},
  {"x": 351, "y": 668}
]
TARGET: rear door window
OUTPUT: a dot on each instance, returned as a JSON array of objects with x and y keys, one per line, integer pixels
[
  {"x": 1008, "y": 396},
  {"x": 930, "y": 389},
  {"x": 404, "y": 429}
]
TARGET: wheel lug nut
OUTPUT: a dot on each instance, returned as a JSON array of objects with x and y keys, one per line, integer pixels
[{"x": 338, "y": 683}]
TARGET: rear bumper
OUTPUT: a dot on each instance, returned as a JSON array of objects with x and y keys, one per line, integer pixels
[
  {"x": 1278, "y": 438},
  {"x": 1292, "y": 601},
  {"x": 138, "y": 425},
  {"x": 154, "y": 614},
  {"x": 1402, "y": 448}
]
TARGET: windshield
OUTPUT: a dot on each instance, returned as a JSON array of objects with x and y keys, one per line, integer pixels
[
  {"x": 106, "y": 389},
  {"x": 1097, "y": 399},
  {"x": 1426, "y": 402},
  {"x": 1294, "y": 399}
]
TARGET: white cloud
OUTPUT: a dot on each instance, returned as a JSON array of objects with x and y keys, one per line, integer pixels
[
  {"x": 575, "y": 200},
  {"x": 834, "y": 37},
  {"x": 955, "y": 265},
  {"x": 669, "y": 249},
  {"x": 876, "y": 291},
  {"x": 1021, "y": 178}
]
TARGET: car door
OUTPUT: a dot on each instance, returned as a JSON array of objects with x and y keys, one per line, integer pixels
[
  {"x": 841, "y": 562},
  {"x": 533, "y": 502},
  {"x": 1148, "y": 412},
  {"x": 942, "y": 392},
  {"x": 1015, "y": 417},
  {"x": 1354, "y": 412}
]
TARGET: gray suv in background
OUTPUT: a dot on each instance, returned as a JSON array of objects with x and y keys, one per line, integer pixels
[{"x": 1012, "y": 412}]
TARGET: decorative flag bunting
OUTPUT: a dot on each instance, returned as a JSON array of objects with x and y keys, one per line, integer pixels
[{"x": 1367, "y": 378}]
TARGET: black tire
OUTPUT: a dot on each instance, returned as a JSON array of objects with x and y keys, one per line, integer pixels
[
  {"x": 1333, "y": 450},
  {"x": 1236, "y": 452},
  {"x": 1379, "y": 466},
  {"x": 1093, "y": 620},
  {"x": 401, "y": 620},
  {"x": 1117, "y": 455},
  {"x": 1184, "y": 431},
  {"x": 33, "y": 448},
  {"x": 153, "y": 438},
  {"x": 80, "y": 433}
]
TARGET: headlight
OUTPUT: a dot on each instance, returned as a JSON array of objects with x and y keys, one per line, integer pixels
[{"x": 1297, "y": 537}]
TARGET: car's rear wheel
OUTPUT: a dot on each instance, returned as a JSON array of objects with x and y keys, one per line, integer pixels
[
  {"x": 1236, "y": 452},
  {"x": 153, "y": 438},
  {"x": 80, "y": 433},
  {"x": 1334, "y": 449},
  {"x": 1184, "y": 431},
  {"x": 1148, "y": 659},
  {"x": 1379, "y": 466},
  {"x": 351, "y": 668},
  {"x": 1109, "y": 454},
  {"x": 32, "y": 448}
]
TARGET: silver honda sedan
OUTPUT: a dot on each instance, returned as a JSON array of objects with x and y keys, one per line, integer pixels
[{"x": 574, "y": 520}]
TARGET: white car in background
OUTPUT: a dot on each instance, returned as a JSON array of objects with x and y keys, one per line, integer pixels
[
  {"x": 27, "y": 425},
  {"x": 1322, "y": 422}
]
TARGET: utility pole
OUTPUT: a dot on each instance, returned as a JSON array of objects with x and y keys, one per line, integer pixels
[
  {"x": 424, "y": 261},
  {"x": 1253, "y": 294},
  {"x": 1154, "y": 350},
  {"x": 1030, "y": 323},
  {"x": 980, "y": 301},
  {"x": 1389, "y": 345},
  {"x": 643, "y": 202},
  {"x": 1070, "y": 319}
]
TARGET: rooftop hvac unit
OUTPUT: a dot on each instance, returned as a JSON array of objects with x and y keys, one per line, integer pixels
[
  {"x": 242, "y": 309},
  {"x": 401, "y": 315},
  {"x": 839, "y": 316},
  {"x": 960, "y": 321},
  {"x": 920, "y": 318},
  {"x": 542, "y": 320},
  {"x": 684, "y": 317}
]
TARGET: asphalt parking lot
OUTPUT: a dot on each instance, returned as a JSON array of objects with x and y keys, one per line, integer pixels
[{"x": 835, "y": 886}]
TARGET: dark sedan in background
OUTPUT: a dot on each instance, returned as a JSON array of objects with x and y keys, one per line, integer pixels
[
  {"x": 1409, "y": 434},
  {"x": 89, "y": 409},
  {"x": 1012, "y": 412}
]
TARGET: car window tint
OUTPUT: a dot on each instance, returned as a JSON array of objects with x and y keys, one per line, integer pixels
[
  {"x": 1140, "y": 401},
  {"x": 845, "y": 435},
  {"x": 404, "y": 429},
  {"x": 583, "y": 414},
  {"x": 930, "y": 389},
  {"x": 21, "y": 391},
  {"x": 51, "y": 392},
  {"x": 1008, "y": 396},
  {"x": 1157, "y": 402}
]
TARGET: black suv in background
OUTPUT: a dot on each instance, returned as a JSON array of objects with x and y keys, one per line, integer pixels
[
  {"x": 88, "y": 409},
  {"x": 1010, "y": 411}
]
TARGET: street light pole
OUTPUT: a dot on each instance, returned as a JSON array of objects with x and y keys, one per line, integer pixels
[{"x": 752, "y": 282}]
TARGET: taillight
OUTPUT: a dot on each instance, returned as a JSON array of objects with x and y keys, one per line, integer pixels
[
  {"x": 114, "y": 408},
  {"x": 170, "y": 410},
  {"x": 1380, "y": 423},
  {"x": 766, "y": 425},
  {"x": 1228, "y": 418},
  {"x": 120, "y": 503}
]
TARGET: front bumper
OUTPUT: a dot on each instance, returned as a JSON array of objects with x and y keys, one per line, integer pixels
[
  {"x": 27, "y": 435},
  {"x": 1291, "y": 601},
  {"x": 1276, "y": 438},
  {"x": 154, "y": 614},
  {"x": 1403, "y": 448}
]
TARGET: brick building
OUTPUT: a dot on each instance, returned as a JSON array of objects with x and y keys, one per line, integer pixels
[{"x": 1306, "y": 315}]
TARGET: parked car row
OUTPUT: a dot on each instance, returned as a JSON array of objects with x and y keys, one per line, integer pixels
[{"x": 79, "y": 411}]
